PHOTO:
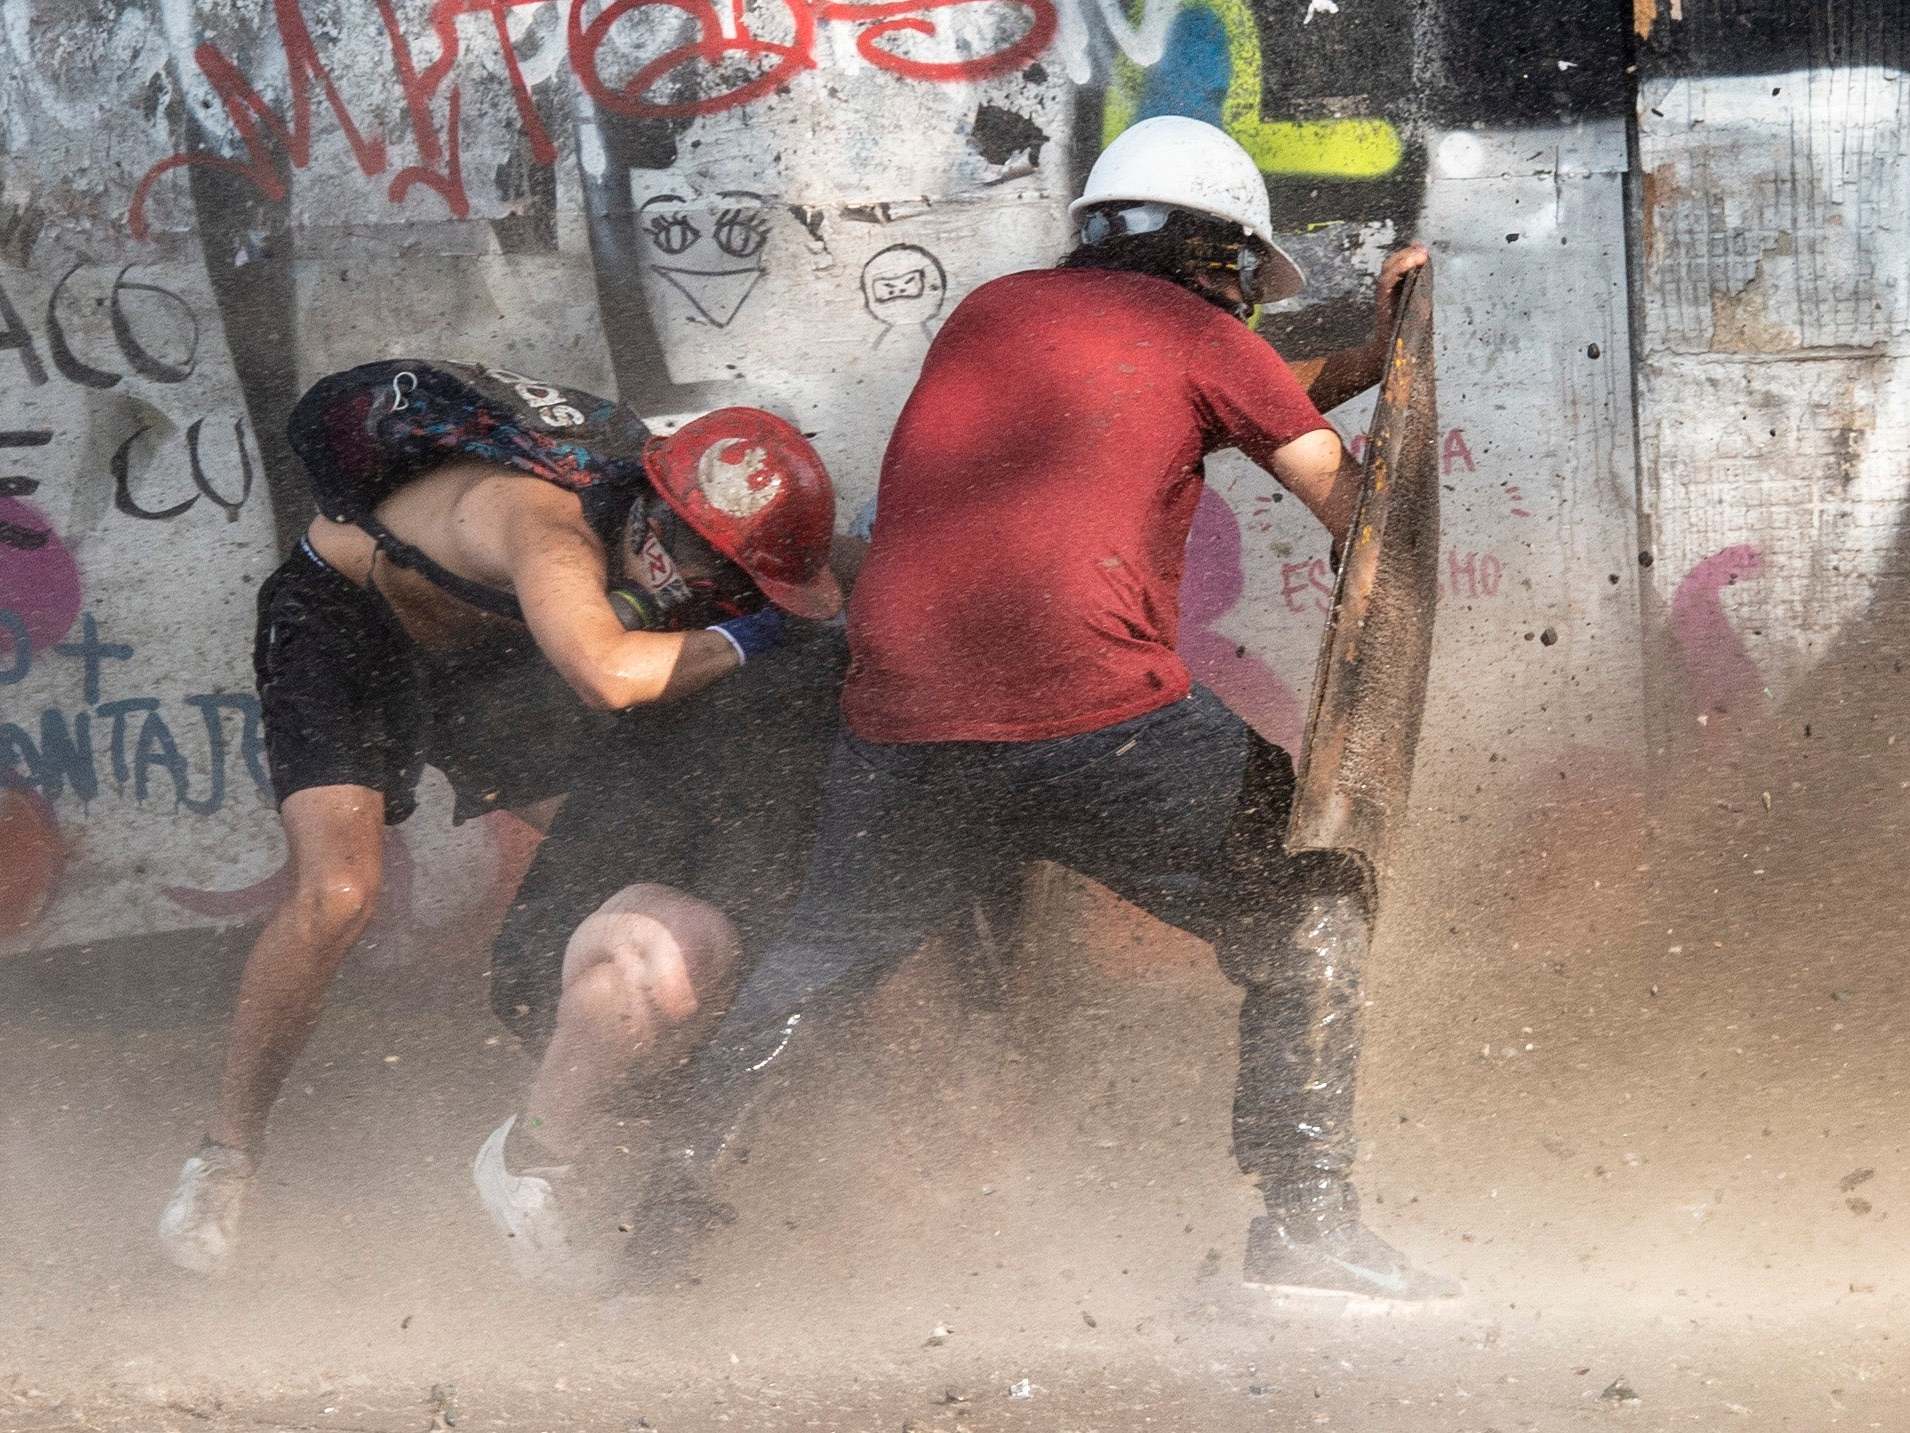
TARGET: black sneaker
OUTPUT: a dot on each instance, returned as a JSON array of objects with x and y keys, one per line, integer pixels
[{"x": 1350, "y": 1261}]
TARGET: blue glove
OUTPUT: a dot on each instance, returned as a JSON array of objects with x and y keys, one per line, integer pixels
[{"x": 753, "y": 635}]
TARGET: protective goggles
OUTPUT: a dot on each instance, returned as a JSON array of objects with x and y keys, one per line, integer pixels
[{"x": 1244, "y": 259}]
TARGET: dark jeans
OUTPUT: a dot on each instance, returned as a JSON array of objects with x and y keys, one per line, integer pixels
[{"x": 1180, "y": 811}]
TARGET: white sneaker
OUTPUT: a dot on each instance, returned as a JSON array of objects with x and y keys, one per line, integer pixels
[
  {"x": 528, "y": 1207},
  {"x": 200, "y": 1227}
]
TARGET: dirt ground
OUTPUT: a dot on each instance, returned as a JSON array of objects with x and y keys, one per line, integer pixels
[{"x": 1637, "y": 1072}]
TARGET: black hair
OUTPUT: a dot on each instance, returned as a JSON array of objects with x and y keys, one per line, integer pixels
[{"x": 1177, "y": 252}]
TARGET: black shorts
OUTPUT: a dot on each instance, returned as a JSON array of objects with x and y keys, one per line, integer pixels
[
  {"x": 349, "y": 700},
  {"x": 717, "y": 795}
]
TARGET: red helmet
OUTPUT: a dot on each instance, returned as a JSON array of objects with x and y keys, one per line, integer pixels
[{"x": 753, "y": 488}]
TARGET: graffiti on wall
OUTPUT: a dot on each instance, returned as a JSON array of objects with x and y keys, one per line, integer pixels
[
  {"x": 130, "y": 487},
  {"x": 773, "y": 202},
  {"x": 134, "y": 309},
  {"x": 635, "y": 59},
  {"x": 133, "y": 741}
]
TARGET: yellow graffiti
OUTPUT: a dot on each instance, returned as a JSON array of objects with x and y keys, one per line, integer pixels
[{"x": 1324, "y": 148}]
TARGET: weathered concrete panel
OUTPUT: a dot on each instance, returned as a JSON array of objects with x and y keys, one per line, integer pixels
[
  {"x": 1540, "y": 661},
  {"x": 1773, "y": 212},
  {"x": 133, "y": 534},
  {"x": 1779, "y": 497},
  {"x": 1776, "y": 326}
]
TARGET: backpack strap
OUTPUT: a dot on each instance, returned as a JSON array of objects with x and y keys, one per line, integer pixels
[{"x": 494, "y": 600}]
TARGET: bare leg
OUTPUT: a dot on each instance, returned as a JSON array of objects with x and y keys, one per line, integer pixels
[
  {"x": 336, "y": 835},
  {"x": 643, "y": 976}
]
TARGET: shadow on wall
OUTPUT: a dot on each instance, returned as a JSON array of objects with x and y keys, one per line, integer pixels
[{"x": 1848, "y": 725}]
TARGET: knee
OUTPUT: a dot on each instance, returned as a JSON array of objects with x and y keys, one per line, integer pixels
[
  {"x": 1289, "y": 939},
  {"x": 600, "y": 1002},
  {"x": 645, "y": 923},
  {"x": 705, "y": 937},
  {"x": 335, "y": 904}
]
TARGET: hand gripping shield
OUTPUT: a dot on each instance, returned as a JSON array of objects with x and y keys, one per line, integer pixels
[{"x": 1369, "y": 694}]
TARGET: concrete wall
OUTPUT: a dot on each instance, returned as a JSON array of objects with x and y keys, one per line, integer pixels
[
  {"x": 1774, "y": 295},
  {"x": 205, "y": 205}
]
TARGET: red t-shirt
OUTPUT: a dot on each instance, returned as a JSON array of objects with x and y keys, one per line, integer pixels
[{"x": 1024, "y": 577}]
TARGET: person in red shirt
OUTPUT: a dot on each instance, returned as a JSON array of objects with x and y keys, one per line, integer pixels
[
  {"x": 1014, "y": 692},
  {"x": 1040, "y": 483}
]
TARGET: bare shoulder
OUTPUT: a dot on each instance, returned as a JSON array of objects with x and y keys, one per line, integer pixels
[{"x": 507, "y": 521}]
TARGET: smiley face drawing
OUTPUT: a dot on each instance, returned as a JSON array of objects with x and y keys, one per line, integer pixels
[
  {"x": 903, "y": 287},
  {"x": 711, "y": 253}
]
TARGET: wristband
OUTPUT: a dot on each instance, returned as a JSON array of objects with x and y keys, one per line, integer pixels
[{"x": 753, "y": 635}]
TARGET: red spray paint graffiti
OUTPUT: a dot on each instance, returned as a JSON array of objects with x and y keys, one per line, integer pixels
[
  {"x": 715, "y": 47},
  {"x": 1453, "y": 450},
  {"x": 735, "y": 62},
  {"x": 1717, "y": 663}
]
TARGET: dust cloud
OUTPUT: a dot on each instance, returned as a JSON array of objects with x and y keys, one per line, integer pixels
[{"x": 1635, "y": 1072}]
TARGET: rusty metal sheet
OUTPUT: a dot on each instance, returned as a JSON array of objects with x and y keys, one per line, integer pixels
[{"x": 1369, "y": 693}]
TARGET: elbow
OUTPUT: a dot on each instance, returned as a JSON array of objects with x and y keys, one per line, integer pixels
[
  {"x": 598, "y": 696},
  {"x": 634, "y": 669},
  {"x": 603, "y": 690}
]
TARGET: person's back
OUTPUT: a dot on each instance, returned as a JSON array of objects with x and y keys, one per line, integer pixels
[
  {"x": 425, "y": 513},
  {"x": 1023, "y": 580}
]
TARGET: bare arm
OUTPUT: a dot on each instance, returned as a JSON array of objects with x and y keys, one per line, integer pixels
[
  {"x": 1317, "y": 470},
  {"x": 1342, "y": 376},
  {"x": 536, "y": 536}
]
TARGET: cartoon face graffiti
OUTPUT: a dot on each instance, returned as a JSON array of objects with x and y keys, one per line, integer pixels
[
  {"x": 903, "y": 286},
  {"x": 711, "y": 253}
]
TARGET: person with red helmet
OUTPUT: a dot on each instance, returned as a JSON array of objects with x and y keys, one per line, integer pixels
[
  {"x": 508, "y": 579},
  {"x": 676, "y": 861}
]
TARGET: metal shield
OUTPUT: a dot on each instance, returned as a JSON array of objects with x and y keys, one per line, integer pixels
[{"x": 1369, "y": 693}]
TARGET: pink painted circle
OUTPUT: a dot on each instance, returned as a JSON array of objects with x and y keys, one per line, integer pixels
[{"x": 38, "y": 585}]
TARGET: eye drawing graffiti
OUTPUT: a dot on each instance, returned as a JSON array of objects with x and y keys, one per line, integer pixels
[
  {"x": 672, "y": 233},
  {"x": 714, "y": 265},
  {"x": 741, "y": 232}
]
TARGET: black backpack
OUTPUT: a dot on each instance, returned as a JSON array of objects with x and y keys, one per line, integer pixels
[{"x": 363, "y": 433}]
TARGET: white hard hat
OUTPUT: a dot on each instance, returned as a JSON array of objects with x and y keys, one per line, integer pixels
[{"x": 1189, "y": 164}]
